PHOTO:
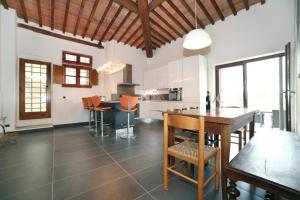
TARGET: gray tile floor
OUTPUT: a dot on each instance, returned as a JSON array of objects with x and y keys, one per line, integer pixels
[{"x": 75, "y": 163}]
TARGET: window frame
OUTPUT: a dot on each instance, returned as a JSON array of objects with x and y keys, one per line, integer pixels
[
  {"x": 77, "y": 62},
  {"x": 33, "y": 115},
  {"x": 77, "y": 84}
]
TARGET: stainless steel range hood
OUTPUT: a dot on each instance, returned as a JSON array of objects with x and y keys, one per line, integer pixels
[{"x": 127, "y": 77}]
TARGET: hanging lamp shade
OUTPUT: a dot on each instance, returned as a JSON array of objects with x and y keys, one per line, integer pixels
[{"x": 196, "y": 39}]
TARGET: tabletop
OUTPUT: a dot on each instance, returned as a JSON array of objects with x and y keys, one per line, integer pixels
[{"x": 272, "y": 157}]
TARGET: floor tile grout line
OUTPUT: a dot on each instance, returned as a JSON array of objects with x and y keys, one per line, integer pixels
[
  {"x": 53, "y": 160},
  {"x": 126, "y": 172}
]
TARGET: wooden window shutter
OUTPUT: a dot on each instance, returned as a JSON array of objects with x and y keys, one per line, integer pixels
[
  {"x": 94, "y": 77},
  {"x": 58, "y": 74}
]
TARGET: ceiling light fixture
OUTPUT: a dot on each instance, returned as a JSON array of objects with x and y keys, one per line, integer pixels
[{"x": 197, "y": 38}]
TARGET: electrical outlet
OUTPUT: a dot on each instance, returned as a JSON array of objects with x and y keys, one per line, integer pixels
[{"x": 7, "y": 125}]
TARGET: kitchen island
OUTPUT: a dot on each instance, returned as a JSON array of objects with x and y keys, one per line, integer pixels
[{"x": 116, "y": 118}]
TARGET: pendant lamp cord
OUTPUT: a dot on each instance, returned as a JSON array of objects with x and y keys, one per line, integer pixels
[{"x": 196, "y": 15}]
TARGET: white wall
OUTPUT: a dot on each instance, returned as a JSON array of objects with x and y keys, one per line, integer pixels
[
  {"x": 8, "y": 66},
  {"x": 298, "y": 64}
]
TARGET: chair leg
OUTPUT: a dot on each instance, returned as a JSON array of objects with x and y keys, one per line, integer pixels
[
  {"x": 128, "y": 124},
  {"x": 200, "y": 182},
  {"x": 245, "y": 135},
  {"x": 96, "y": 121},
  {"x": 165, "y": 170},
  {"x": 192, "y": 170},
  {"x": 217, "y": 170},
  {"x": 185, "y": 169},
  {"x": 240, "y": 140},
  {"x": 102, "y": 123},
  {"x": 89, "y": 119}
]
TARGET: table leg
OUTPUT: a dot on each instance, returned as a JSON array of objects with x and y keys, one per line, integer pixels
[
  {"x": 225, "y": 152},
  {"x": 251, "y": 129}
]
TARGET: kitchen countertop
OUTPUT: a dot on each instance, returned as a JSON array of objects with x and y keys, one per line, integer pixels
[
  {"x": 160, "y": 101},
  {"x": 111, "y": 102}
]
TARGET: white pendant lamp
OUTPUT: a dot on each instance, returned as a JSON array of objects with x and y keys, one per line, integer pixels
[{"x": 197, "y": 38}]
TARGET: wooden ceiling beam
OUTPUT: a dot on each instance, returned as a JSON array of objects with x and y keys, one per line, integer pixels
[
  {"x": 137, "y": 39},
  {"x": 102, "y": 19},
  {"x": 246, "y": 3},
  {"x": 180, "y": 14},
  {"x": 4, "y": 3},
  {"x": 167, "y": 23},
  {"x": 173, "y": 18},
  {"x": 166, "y": 40},
  {"x": 24, "y": 12},
  {"x": 206, "y": 13},
  {"x": 133, "y": 34},
  {"x": 140, "y": 44},
  {"x": 90, "y": 18},
  {"x": 79, "y": 17},
  {"x": 157, "y": 39},
  {"x": 143, "y": 9},
  {"x": 263, "y": 2},
  {"x": 185, "y": 4},
  {"x": 111, "y": 23},
  {"x": 162, "y": 28},
  {"x": 217, "y": 8},
  {"x": 155, "y": 44},
  {"x": 128, "y": 4},
  {"x": 231, "y": 5},
  {"x": 120, "y": 25},
  {"x": 38, "y": 2},
  {"x": 52, "y": 13},
  {"x": 155, "y": 3},
  {"x": 128, "y": 28},
  {"x": 60, "y": 36},
  {"x": 66, "y": 16}
]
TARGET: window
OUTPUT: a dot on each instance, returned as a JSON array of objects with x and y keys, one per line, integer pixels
[
  {"x": 77, "y": 69},
  {"x": 34, "y": 89}
]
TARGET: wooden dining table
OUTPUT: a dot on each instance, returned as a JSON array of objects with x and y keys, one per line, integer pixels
[{"x": 223, "y": 121}]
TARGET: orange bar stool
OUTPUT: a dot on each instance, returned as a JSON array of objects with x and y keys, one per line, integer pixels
[
  {"x": 91, "y": 108},
  {"x": 128, "y": 105},
  {"x": 86, "y": 106},
  {"x": 97, "y": 108}
]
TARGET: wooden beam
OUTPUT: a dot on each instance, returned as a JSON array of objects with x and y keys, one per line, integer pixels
[
  {"x": 217, "y": 8},
  {"x": 79, "y": 17},
  {"x": 111, "y": 23},
  {"x": 56, "y": 35},
  {"x": 162, "y": 29},
  {"x": 263, "y": 2},
  {"x": 184, "y": 3},
  {"x": 180, "y": 13},
  {"x": 155, "y": 44},
  {"x": 38, "y": 2},
  {"x": 144, "y": 15},
  {"x": 128, "y": 4},
  {"x": 102, "y": 19},
  {"x": 140, "y": 44},
  {"x": 4, "y": 3},
  {"x": 52, "y": 13},
  {"x": 167, "y": 23},
  {"x": 203, "y": 8},
  {"x": 231, "y": 5},
  {"x": 24, "y": 12},
  {"x": 66, "y": 16},
  {"x": 166, "y": 40},
  {"x": 137, "y": 39},
  {"x": 128, "y": 28},
  {"x": 157, "y": 39},
  {"x": 173, "y": 18},
  {"x": 155, "y": 3},
  {"x": 90, "y": 18},
  {"x": 133, "y": 34},
  {"x": 120, "y": 25},
  {"x": 246, "y": 3}
]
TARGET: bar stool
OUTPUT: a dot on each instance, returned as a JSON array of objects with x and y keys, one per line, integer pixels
[
  {"x": 85, "y": 104},
  {"x": 97, "y": 108},
  {"x": 128, "y": 105},
  {"x": 91, "y": 108}
]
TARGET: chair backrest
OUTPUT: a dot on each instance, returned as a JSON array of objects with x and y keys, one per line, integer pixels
[
  {"x": 90, "y": 102},
  {"x": 188, "y": 123},
  {"x": 85, "y": 103},
  {"x": 96, "y": 101},
  {"x": 128, "y": 102}
]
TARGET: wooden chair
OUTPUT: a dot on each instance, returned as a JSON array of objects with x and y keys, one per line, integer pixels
[{"x": 189, "y": 152}]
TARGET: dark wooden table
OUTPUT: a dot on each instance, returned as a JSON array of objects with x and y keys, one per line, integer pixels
[
  {"x": 223, "y": 121},
  {"x": 271, "y": 160}
]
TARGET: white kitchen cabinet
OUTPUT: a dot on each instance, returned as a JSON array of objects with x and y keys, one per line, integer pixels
[
  {"x": 161, "y": 74},
  {"x": 175, "y": 74},
  {"x": 194, "y": 78},
  {"x": 148, "y": 80}
]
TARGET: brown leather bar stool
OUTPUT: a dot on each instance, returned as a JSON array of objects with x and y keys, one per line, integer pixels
[
  {"x": 87, "y": 107},
  {"x": 128, "y": 105},
  {"x": 97, "y": 108},
  {"x": 91, "y": 108}
]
